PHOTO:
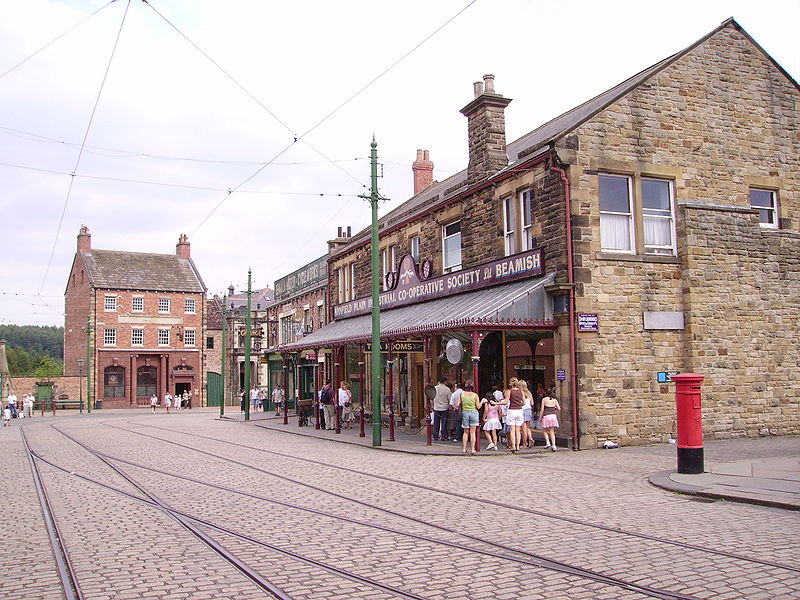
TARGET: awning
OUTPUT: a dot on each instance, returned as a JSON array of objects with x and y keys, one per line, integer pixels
[{"x": 519, "y": 305}]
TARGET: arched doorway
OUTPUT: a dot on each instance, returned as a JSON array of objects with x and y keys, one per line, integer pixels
[{"x": 146, "y": 384}]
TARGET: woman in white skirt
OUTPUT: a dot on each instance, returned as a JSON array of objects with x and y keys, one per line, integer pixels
[
  {"x": 491, "y": 423},
  {"x": 547, "y": 415}
]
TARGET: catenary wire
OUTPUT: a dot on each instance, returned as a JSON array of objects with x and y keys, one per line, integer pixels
[{"x": 83, "y": 143}]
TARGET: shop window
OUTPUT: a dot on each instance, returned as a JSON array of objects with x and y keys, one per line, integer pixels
[
  {"x": 451, "y": 246},
  {"x": 114, "y": 382},
  {"x": 767, "y": 204},
  {"x": 146, "y": 380}
]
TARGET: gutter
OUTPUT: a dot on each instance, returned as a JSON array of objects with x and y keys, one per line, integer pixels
[{"x": 576, "y": 444}]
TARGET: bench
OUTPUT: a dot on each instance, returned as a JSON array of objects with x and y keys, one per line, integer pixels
[{"x": 57, "y": 404}]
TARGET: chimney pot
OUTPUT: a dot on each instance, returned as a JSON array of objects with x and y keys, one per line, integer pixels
[
  {"x": 84, "y": 239},
  {"x": 422, "y": 170},
  {"x": 339, "y": 232},
  {"x": 419, "y": 154},
  {"x": 182, "y": 249},
  {"x": 348, "y": 231},
  {"x": 488, "y": 81},
  {"x": 478, "y": 87}
]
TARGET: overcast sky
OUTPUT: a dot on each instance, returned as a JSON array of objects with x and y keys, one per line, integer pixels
[{"x": 171, "y": 133}]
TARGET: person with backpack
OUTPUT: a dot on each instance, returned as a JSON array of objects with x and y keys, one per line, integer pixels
[{"x": 328, "y": 406}]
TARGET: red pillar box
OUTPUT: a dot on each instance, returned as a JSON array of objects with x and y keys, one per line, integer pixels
[{"x": 689, "y": 416}]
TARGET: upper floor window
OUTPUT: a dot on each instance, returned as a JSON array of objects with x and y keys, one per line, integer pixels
[
  {"x": 347, "y": 283},
  {"x": 163, "y": 337},
  {"x": 137, "y": 304},
  {"x": 209, "y": 342},
  {"x": 766, "y": 202},
  {"x": 163, "y": 305},
  {"x": 451, "y": 246},
  {"x": 320, "y": 315},
  {"x": 110, "y": 303},
  {"x": 388, "y": 263},
  {"x": 189, "y": 306},
  {"x": 616, "y": 213},
  {"x": 110, "y": 336},
  {"x": 510, "y": 225},
  {"x": 526, "y": 218},
  {"x": 189, "y": 337},
  {"x": 415, "y": 248},
  {"x": 657, "y": 215},
  {"x": 287, "y": 329},
  {"x": 137, "y": 336}
]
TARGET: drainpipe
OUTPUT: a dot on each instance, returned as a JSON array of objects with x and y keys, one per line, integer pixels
[{"x": 571, "y": 280}]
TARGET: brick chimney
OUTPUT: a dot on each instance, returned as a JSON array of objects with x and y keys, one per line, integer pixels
[
  {"x": 84, "y": 239},
  {"x": 486, "y": 131},
  {"x": 423, "y": 171},
  {"x": 182, "y": 248}
]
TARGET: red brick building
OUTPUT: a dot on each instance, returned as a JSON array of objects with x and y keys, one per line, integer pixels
[{"x": 137, "y": 321}]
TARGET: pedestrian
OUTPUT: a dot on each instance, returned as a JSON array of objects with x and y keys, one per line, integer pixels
[
  {"x": 454, "y": 429},
  {"x": 184, "y": 399},
  {"x": 153, "y": 403},
  {"x": 278, "y": 398},
  {"x": 326, "y": 398},
  {"x": 549, "y": 420},
  {"x": 168, "y": 402},
  {"x": 527, "y": 414},
  {"x": 189, "y": 400},
  {"x": 254, "y": 397},
  {"x": 6, "y": 416},
  {"x": 321, "y": 410},
  {"x": 31, "y": 404},
  {"x": 469, "y": 402},
  {"x": 514, "y": 400},
  {"x": 346, "y": 405},
  {"x": 491, "y": 423},
  {"x": 262, "y": 399},
  {"x": 11, "y": 404},
  {"x": 441, "y": 405},
  {"x": 243, "y": 396}
]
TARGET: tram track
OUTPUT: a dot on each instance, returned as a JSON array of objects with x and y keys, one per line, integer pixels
[{"x": 459, "y": 495}]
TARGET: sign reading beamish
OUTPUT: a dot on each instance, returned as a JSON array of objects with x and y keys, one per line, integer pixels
[{"x": 410, "y": 289}]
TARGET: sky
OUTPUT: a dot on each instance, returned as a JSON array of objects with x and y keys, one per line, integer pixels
[{"x": 246, "y": 124}]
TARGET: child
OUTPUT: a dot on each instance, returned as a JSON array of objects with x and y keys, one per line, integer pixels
[
  {"x": 547, "y": 415},
  {"x": 6, "y": 416},
  {"x": 492, "y": 421}
]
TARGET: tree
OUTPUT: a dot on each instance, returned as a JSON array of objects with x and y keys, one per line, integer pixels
[{"x": 48, "y": 369}]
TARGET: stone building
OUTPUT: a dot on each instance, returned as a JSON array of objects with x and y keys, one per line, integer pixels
[
  {"x": 136, "y": 320},
  {"x": 652, "y": 229}
]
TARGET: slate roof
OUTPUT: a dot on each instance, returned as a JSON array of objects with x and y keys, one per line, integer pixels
[{"x": 118, "y": 270}]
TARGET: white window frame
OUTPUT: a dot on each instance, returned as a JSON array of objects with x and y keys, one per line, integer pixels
[
  {"x": 451, "y": 265},
  {"x": 110, "y": 304},
  {"x": 648, "y": 213},
  {"x": 189, "y": 337},
  {"x": 629, "y": 215},
  {"x": 351, "y": 284},
  {"x": 766, "y": 210},
  {"x": 509, "y": 225},
  {"x": 163, "y": 336},
  {"x": 189, "y": 306},
  {"x": 414, "y": 244},
  {"x": 137, "y": 304},
  {"x": 109, "y": 336},
  {"x": 286, "y": 330},
  {"x": 137, "y": 332},
  {"x": 388, "y": 263},
  {"x": 164, "y": 306},
  {"x": 525, "y": 210}
]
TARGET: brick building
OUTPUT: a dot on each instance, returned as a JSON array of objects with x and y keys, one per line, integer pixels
[
  {"x": 137, "y": 320},
  {"x": 651, "y": 229}
]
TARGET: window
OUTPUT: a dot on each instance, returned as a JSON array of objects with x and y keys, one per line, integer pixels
[
  {"x": 388, "y": 263},
  {"x": 110, "y": 336},
  {"x": 189, "y": 306},
  {"x": 352, "y": 282},
  {"x": 287, "y": 330},
  {"x": 114, "y": 382},
  {"x": 209, "y": 343},
  {"x": 526, "y": 219},
  {"x": 347, "y": 283},
  {"x": 146, "y": 379},
  {"x": 163, "y": 305},
  {"x": 110, "y": 303},
  {"x": 137, "y": 305},
  {"x": 616, "y": 215},
  {"x": 657, "y": 214},
  {"x": 766, "y": 203},
  {"x": 189, "y": 337},
  {"x": 415, "y": 248},
  {"x": 163, "y": 337},
  {"x": 509, "y": 225},
  {"x": 451, "y": 245},
  {"x": 321, "y": 315},
  {"x": 137, "y": 336}
]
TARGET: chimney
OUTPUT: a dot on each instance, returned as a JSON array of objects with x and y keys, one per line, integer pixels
[
  {"x": 486, "y": 131},
  {"x": 182, "y": 248},
  {"x": 230, "y": 290},
  {"x": 423, "y": 171},
  {"x": 84, "y": 239}
]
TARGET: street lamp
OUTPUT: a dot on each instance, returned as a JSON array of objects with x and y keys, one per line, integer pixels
[{"x": 80, "y": 382}]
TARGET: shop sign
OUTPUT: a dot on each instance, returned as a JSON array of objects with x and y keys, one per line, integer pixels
[
  {"x": 399, "y": 346},
  {"x": 666, "y": 376},
  {"x": 588, "y": 322},
  {"x": 305, "y": 277},
  {"x": 409, "y": 288},
  {"x": 561, "y": 374}
]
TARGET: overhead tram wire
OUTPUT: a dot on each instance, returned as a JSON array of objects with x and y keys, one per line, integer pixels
[
  {"x": 83, "y": 143},
  {"x": 55, "y": 39}
]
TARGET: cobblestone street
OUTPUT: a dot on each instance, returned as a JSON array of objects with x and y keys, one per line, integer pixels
[{"x": 318, "y": 519}]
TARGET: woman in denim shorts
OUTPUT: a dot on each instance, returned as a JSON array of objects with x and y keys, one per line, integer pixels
[{"x": 469, "y": 403}]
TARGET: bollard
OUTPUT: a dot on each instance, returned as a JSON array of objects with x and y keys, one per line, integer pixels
[{"x": 689, "y": 418}]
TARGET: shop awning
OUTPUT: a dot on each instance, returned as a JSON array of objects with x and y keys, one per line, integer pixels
[{"x": 519, "y": 305}]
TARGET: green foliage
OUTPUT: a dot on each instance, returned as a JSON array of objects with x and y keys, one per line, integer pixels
[{"x": 28, "y": 347}]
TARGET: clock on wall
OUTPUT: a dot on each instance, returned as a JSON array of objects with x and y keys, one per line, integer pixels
[{"x": 390, "y": 279}]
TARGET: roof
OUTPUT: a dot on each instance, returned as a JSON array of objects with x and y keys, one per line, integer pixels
[
  {"x": 118, "y": 270},
  {"x": 520, "y": 304},
  {"x": 262, "y": 297},
  {"x": 214, "y": 313}
]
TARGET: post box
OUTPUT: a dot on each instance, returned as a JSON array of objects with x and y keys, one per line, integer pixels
[{"x": 689, "y": 417}]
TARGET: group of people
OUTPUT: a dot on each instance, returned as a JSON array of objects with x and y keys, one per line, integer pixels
[
  {"x": 335, "y": 404},
  {"x": 511, "y": 415},
  {"x": 11, "y": 411},
  {"x": 178, "y": 401}
]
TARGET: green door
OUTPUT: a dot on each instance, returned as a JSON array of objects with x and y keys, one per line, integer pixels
[
  {"x": 44, "y": 396},
  {"x": 214, "y": 396}
]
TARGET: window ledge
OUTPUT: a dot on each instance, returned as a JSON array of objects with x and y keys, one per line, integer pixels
[{"x": 643, "y": 258}]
